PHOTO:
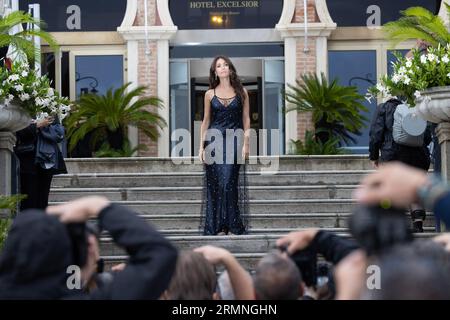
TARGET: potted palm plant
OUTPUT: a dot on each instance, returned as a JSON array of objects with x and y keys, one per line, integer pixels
[
  {"x": 336, "y": 110},
  {"x": 107, "y": 117}
]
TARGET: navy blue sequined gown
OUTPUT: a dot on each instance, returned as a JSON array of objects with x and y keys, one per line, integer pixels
[{"x": 225, "y": 199}]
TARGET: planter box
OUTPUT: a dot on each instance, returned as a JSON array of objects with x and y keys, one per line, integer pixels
[
  {"x": 434, "y": 104},
  {"x": 13, "y": 118}
]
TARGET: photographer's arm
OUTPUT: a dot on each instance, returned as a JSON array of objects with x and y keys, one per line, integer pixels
[
  {"x": 333, "y": 247},
  {"x": 152, "y": 258},
  {"x": 240, "y": 279}
]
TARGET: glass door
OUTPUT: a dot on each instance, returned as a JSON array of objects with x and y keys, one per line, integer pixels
[
  {"x": 95, "y": 72},
  {"x": 273, "y": 105},
  {"x": 180, "y": 115}
]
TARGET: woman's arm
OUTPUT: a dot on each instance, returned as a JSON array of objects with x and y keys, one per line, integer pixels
[
  {"x": 205, "y": 123},
  {"x": 246, "y": 124}
]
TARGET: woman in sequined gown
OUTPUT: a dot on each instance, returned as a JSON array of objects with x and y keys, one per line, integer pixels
[{"x": 224, "y": 146}]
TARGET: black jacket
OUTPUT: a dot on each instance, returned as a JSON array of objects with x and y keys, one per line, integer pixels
[
  {"x": 381, "y": 140},
  {"x": 27, "y": 161},
  {"x": 38, "y": 251}
]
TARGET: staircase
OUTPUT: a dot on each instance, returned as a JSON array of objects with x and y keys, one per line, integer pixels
[{"x": 305, "y": 192}]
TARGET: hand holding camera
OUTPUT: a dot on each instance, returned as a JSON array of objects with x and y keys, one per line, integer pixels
[{"x": 45, "y": 122}]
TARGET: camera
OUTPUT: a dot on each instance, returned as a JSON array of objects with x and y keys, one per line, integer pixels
[
  {"x": 78, "y": 234},
  {"x": 78, "y": 237},
  {"x": 377, "y": 229},
  {"x": 306, "y": 261}
]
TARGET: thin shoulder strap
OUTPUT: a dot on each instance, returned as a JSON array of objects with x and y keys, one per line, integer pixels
[{"x": 214, "y": 91}]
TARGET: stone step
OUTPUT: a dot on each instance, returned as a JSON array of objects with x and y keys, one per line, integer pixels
[
  {"x": 192, "y": 179},
  {"x": 186, "y": 164},
  {"x": 256, "y": 206},
  {"x": 247, "y": 260},
  {"x": 195, "y": 193},
  {"x": 261, "y": 231},
  {"x": 264, "y": 221},
  {"x": 243, "y": 244}
]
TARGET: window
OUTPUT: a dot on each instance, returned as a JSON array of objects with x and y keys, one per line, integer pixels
[
  {"x": 97, "y": 74},
  {"x": 356, "y": 68}
]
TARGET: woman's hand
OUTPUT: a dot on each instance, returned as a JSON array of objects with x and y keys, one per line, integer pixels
[
  {"x": 201, "y": 155},
  {"x": 245, "y": 151}
]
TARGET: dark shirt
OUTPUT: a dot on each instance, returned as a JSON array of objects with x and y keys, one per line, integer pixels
[{"x": 382, "y": 141}]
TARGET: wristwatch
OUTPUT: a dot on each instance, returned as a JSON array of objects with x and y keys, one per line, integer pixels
[{"x": 432, "y": 191}]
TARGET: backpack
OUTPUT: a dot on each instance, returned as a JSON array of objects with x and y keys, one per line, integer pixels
[{"x": 408, "y": 128}]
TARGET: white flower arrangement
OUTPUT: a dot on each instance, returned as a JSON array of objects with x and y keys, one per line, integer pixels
[
  {"x": 31, "y": 92},
  {"x": 414, "y": 74}
]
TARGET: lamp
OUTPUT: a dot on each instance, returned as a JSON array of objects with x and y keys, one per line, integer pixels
[{"x": 93, "y": 84}]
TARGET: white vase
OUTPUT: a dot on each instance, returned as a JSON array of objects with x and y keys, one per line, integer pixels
[
  {"x": 434, "y": 104},
  {"x": 13, "y": 118}
]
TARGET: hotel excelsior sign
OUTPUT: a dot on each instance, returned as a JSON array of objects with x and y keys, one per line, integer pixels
[
  {"x": 225, "y": 14},
  {"x": 80, "y": 15}
]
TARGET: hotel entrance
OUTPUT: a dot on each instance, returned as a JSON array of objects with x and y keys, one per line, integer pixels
[{"x": 262, "y": 77}]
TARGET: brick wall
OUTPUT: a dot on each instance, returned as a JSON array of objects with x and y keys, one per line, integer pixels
[
  {"x": 151, "y": 6},
  {"x": 299, "y": 12},
  {"x": 148, "y": 71},
  {"x": 148, "y": 77}
]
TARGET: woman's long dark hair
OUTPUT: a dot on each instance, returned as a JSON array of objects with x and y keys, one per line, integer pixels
[{"x": 234, "y": 79}]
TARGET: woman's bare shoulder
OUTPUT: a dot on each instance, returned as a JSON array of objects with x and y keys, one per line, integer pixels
[{"x": 209, "y": 94}]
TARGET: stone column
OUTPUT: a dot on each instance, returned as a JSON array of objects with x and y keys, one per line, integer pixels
[
  {"x": 290, "y": 61},
  {"x": 164, "y": 95},
  {"x": 7, "y": 141},
  {"x": 443, "y": 134}
]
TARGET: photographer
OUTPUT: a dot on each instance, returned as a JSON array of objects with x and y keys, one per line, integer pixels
[
  {"x": 39, "y": 160},
  {"x": 303, "y": 248},
  {"x": 41, "y": 247}
]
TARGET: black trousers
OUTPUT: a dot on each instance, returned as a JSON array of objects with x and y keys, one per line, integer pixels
[{"x": 37, "y": 187}]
